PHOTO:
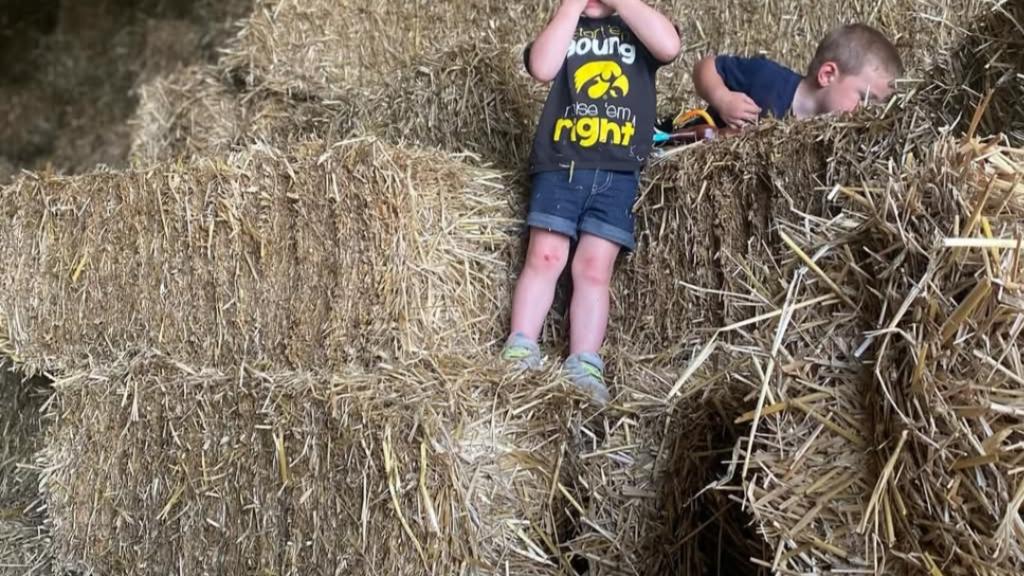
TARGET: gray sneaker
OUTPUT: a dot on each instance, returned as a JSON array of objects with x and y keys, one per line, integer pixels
[
  {"x": 586, "y": 371},
  {"x": 522, "y": 352}
]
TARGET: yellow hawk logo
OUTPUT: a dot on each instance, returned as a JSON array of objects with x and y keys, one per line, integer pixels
[{"x": 605, "y": 78}]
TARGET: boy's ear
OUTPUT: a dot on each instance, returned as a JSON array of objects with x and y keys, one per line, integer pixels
[{"x": 827, "y": 73}]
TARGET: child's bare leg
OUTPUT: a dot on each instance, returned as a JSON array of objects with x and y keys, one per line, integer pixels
[
  {"x": 591, "y": 276},
  {"x": 535, "y": 290}
]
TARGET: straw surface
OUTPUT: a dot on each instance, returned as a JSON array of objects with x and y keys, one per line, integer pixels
[
  {"x": 471, "y": 98},
  {"x": 948, "y": 364},
  {"x": 24, "y": 549}
]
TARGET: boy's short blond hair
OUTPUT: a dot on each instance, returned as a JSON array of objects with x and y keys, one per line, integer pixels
[{"x": 852, "y": 46}]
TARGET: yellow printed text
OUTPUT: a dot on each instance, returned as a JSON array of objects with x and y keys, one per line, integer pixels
[{"x": 589, "y": 131}]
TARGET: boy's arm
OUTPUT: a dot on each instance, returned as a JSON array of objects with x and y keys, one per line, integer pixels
[
  {"x": 548, "y": 51},
  {"x": 735, "y": 108},
  {"x": 652, "y": 28}
]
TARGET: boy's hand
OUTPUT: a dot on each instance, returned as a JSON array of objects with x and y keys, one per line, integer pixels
[
  {"x": 578, "y": 5},
  {"x": 736, "y": 109}
]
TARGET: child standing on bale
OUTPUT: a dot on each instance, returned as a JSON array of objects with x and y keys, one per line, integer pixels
[
  {"x": 853, "y": 64},
  {"x": 594, "y": 136}
]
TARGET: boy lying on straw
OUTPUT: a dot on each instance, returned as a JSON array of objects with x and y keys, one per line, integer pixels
[
  {"x": 594, "y": 136},
  {"x": 853, "y": 64}
]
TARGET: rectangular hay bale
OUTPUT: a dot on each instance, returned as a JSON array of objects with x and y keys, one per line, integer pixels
[
  {"x": 314, "y": 256},
  {"x": 445, "y": 468}
]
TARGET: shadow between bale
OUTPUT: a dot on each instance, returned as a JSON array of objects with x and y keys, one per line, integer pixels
[
  {"x": 706, "y": 530},
  {"x": 24, "y": 538},
  {"x": 637, "y": 485}
]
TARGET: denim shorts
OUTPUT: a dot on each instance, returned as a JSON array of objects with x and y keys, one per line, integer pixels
[{"x": 596, "y": 202}]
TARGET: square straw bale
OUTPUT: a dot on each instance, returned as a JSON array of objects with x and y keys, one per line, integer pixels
[
  {"x": 314, "y": 256},
  {"x": 439, "y": 467}
]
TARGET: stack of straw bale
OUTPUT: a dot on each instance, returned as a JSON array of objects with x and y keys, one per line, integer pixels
[
  {"x": 890, "y": 371},
  {"x": 319, "y": 256},
  {"x": 850, "y": 304},
  {"x": 797, "y": 349},
  {"x": 864, "y": 450},
  {"x": 445, "y": 467}
]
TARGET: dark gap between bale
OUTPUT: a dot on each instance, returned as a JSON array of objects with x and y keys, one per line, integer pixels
[
  {"x": 22, "y": 23},
  {"x": 707, "y": 531},
  {"x": 22, "y": 428},
  {"x": 24, "y": 538},
  {"x": 634, "y": 480}
]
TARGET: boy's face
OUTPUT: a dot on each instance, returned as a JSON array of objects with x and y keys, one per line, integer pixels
[
  {"x": 597, "y": 9},
  {"x": 846, "y": 92}
]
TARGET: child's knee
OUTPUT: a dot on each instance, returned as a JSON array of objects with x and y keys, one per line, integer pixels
[
  {"x": 547, "y": 260},
  {"x": 592, "y": 269}
]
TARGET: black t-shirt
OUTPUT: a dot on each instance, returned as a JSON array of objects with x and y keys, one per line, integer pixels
[
  {"x": 771, "y": 85},
  {"x": 600, "y": 112}
]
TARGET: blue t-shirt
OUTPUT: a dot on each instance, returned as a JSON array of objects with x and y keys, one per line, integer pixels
[{"x": 769, "y": 84}]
